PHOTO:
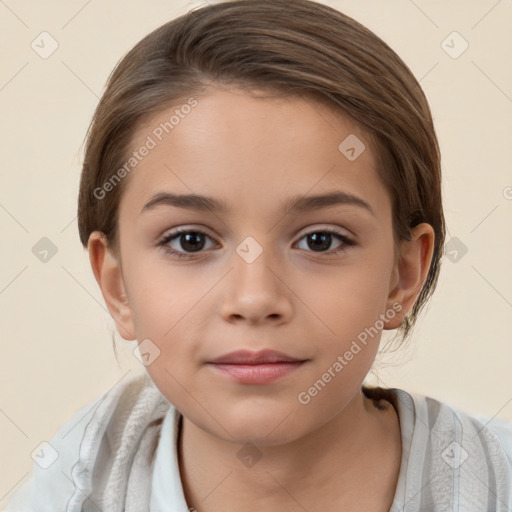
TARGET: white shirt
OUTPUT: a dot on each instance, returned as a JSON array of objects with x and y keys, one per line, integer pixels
[{"x": 451, "y": 461}]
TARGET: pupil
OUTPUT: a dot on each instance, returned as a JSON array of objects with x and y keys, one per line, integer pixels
[
  {"x": 191, "y": 239},
  {"x": 320, "y": 241}
]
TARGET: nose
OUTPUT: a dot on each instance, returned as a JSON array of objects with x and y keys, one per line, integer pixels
[{"x": 256, "y": 293}]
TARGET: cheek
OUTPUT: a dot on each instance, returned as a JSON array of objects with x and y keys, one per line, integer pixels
[
  {"x": 169, "y": 306},
  {"x": 349, "y": 298},
  {"x": 160, "y": 296}
]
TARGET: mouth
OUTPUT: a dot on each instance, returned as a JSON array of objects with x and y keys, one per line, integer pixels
[{"x": 261, "y": 367}]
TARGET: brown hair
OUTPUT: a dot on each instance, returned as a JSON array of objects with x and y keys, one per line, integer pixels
[{"x": 302, "y": 48}]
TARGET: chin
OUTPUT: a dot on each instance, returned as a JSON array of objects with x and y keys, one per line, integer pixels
[
  {"x": 264, "y": 425},
  {"x": 261, "y": 435}
]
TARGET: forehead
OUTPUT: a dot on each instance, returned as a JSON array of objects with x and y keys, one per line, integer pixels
[{"x": 251, "y": 151}]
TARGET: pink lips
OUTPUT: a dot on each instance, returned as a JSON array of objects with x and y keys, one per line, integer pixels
[{"x": 261, "y": 367}]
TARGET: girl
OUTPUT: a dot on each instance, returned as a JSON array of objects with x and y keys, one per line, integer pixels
[{"x": 260, "y": 199}]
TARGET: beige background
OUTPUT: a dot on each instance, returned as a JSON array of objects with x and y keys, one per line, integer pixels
[{"x": 55, "y": 331}]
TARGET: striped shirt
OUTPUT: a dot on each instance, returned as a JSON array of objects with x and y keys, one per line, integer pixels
[
  {"x": 451, "y": 461},
  {"x": 119, "y": 453}
]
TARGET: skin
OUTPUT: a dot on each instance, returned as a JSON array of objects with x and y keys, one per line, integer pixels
[{"x": 255, "y": 153}]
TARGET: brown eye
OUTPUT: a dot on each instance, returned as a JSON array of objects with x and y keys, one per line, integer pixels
[
  {"x": 321, "y": 241},
  {"x": 191, "y": 241},
  {"x": 185, "y": 242}
]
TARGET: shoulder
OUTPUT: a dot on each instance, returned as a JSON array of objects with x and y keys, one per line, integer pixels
[
  {"x": 503, "y": 431},
  {"x": 490, "y": 434},
  {"x": 463, "y": 458},
  {"x": 65, "y": 463}
]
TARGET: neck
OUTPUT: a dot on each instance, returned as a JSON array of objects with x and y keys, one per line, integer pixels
[{"x": 336, "y": 463}]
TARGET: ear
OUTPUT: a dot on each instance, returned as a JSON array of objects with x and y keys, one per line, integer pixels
[
  {"x": 108, "y": 273},
  {"x": 410, "y": 271}
]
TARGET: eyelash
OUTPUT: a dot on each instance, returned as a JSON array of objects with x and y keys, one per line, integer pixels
[{"x": 180, "y": 231}]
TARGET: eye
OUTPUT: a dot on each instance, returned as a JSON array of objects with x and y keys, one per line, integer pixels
[
  {"x": 190, "y": 241},
  {"x": 321, "y": 240}
]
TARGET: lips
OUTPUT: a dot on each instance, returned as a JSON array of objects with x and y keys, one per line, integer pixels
[
  {"x": 263, "y": 367},
  {"x": 242, "y": 357}
]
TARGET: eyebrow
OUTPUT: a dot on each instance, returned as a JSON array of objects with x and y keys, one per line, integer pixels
[{"x": 292, "y": 205}]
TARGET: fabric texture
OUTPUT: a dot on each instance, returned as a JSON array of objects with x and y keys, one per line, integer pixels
[
  {"x": 119, "y": 453},
  {"x": 106, "y": 452},
  {"x": 451, "y": 460}
]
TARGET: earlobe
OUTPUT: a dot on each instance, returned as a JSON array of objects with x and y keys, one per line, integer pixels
[
  {"x": 108, "y": 274},
  {"x": 410, "y": 272}
]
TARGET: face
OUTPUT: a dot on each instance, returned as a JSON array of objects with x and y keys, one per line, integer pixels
[{"x": 258, "y": 274}]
